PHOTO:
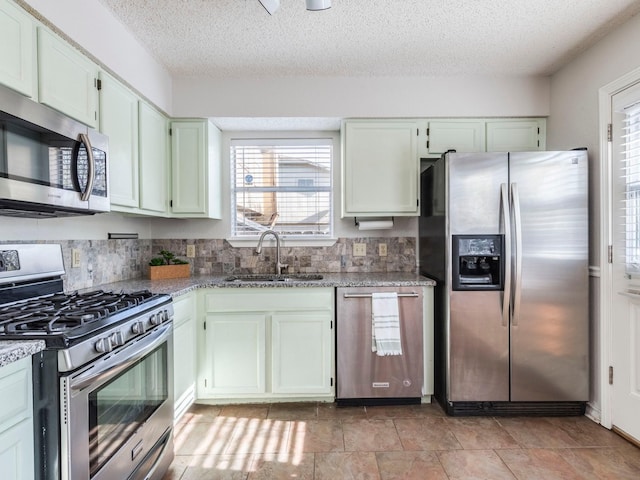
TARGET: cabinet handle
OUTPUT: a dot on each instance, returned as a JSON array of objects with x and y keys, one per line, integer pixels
[{"x": 368, "y": 295}]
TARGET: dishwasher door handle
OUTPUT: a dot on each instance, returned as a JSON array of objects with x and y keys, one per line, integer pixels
[{"x": 368, "y": 295}]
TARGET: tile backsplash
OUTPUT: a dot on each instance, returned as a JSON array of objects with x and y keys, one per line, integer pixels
[{"x": 105, "y": 261}]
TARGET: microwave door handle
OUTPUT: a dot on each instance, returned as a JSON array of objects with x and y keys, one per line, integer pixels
[{"x": 91, "y": 168}]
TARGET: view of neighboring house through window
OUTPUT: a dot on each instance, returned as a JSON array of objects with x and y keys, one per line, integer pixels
[{"x": 283, "y": 185}]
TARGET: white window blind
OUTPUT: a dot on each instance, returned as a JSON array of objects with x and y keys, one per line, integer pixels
[
  {"x": 283, "y": 185},
  {"x": 630, "y": 156}
]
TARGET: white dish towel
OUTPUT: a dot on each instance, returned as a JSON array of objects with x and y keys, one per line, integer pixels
[{"x": 385, "y": 324}]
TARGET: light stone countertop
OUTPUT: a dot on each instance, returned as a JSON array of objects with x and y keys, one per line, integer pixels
[
  {"x": 14, "y": 350},
  {"x": 180, "y": 286}
]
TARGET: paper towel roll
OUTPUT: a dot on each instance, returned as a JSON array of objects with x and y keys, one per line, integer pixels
[{"x": 375, "y": 224}]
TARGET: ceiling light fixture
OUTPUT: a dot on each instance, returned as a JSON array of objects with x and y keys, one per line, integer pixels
[
  {"x": 270, "y": 5},
  {"x": 315, "y": 5}
]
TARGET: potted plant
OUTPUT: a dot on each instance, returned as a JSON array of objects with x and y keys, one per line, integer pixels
[{"x": 167, "y": 265}]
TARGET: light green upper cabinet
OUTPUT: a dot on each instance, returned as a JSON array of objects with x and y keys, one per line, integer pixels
[
  {"x": 119, "y": 121},
  {"x": 154, "y": 159},
  {"x": 380, "y": 168},
  {"x": 17, "y": 49},
  {"x": 517, "y": 135},
  {"x": 463, "y": 136},
  {"x": 66, "y": 79},
  {"x": 195, "y": 169}
]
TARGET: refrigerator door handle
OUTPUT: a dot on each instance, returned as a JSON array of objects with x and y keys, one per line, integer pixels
[
  {"x": 506, "y": 219},
  {"x": 517, "y": 223}
]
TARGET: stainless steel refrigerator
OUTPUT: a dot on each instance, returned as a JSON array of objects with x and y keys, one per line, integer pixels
[{"x": 505, "y": 236}]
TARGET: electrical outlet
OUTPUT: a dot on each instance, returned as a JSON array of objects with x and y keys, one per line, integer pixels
[
  {"x": 382, "y": 249},
  {"x": 75, "y": 258},
  {"x": 359, "y": 249},
  {"x": 191, "y": 251}
]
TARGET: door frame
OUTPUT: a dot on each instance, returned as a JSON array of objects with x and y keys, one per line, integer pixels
[{"x": 606, "y": 294}]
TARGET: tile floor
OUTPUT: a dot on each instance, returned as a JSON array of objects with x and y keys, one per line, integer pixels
[{"x": 323, "y": 442}]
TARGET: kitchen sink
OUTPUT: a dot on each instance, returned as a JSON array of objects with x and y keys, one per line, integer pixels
[{"x": 299, "y": 277}]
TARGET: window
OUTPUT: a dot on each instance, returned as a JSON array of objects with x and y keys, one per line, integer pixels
[
  {"x": 630, "y": 155},
  {"x": 283, "y": 185}
]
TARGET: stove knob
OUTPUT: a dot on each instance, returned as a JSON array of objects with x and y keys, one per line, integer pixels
[
  {"x": 155, "y": 319},
  {"x": 116, "y": 339},
  {"x": 165, "y": 314},
  {"x": 103, "y": 345},
  {"x": 137, "y": 328}
]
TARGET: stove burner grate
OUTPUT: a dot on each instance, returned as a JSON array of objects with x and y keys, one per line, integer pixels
[{"x": 58, "y": 313}]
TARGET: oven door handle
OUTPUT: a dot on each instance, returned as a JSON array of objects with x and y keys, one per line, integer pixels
[{"x": 114, "y": 364}]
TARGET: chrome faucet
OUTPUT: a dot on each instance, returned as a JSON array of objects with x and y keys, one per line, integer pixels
[{"x": 279, "y": 266}]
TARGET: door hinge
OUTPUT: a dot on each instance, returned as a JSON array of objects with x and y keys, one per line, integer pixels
[
  {"x": 609, "y": 132},
  {"x": 610, "y": 254},
  {"x": 99, "y": 84},
  {"x": 332, "y": 381},
  {"x": 171, "y": 203},
  {"x": 417, "y": 202},
  {"x": 170, "y": 131},
  {"x": 331, "y": 325},
  {"x": 610, "y": 375},
  {"x": 205, "y": 383},
  {"x": 427, "y": 132},
  {"x": 538, "y": 130},
  {"x": 417, "y": 132},
  {"x": 204, "y": 324}
]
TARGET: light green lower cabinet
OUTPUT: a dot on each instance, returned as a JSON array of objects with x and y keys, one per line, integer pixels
[
  {"x": 266, "y": 343},
  {"x": 300, "y": 344},
  {"x": 184, "y": 353},
  {"x": 16, "y": 421},
  {"x": 235, "y": 362}
]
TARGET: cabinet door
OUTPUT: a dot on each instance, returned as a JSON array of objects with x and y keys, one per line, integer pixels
[
  {"x": 119, "y": 121},
  {"x": 234, "y": 357},
  {"x": 188, "y": 167},
  {"x": 153, "y": 160},
  {"x": 461, "y": 136},
  {"x": 66, "y": 79},
  {"x": 184, "y": 353},
  {"x": 301, "y": 353},
  {"x": 16, "y": 420},
  {"x": 16, "y": 451},
  {"x": 195, "y": 169},
  {"x": 17, "y": 49},
  {"x": 516, "y": 135},
  {"x": 380, "y": 169}
]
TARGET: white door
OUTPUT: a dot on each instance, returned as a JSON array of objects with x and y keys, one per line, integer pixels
[{"x": 625, "y": 299}]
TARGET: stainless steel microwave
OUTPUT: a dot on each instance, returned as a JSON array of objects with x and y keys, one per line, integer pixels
[{"x": 50, "y": 165}]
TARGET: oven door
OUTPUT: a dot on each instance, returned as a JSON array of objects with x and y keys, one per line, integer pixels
[{"x": 117, "y": 413}]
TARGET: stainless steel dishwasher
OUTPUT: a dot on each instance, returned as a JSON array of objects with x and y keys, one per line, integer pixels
[{"x": 364, "y": 377}]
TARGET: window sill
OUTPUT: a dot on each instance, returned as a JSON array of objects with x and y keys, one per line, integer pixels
[{"x": 284, "y": 242}]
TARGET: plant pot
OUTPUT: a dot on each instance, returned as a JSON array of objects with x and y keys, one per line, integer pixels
[{"x": 163, "y": 272}]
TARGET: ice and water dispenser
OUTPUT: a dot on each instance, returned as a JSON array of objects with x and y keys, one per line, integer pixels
[{"x": 477, "y": 262}]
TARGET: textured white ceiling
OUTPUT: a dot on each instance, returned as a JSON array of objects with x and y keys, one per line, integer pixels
[{"x": 238, "y": 38}]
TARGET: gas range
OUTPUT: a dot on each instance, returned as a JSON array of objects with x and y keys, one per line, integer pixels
[
  {"x": 84, "y": 326},
  {"x": 81, "y": 325},
  {"x": 103, "y": 385}
]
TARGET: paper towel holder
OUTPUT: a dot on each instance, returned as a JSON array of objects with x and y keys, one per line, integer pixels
[{"x": 374, "y": 223}]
